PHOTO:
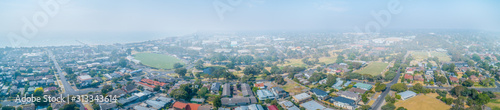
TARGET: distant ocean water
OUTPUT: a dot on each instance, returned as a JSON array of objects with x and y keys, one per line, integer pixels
[{"x": 64, "y": 39}]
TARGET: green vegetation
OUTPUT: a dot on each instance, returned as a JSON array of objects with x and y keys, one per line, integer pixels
[
  {"x": 374, "y": 68},
  {"x": 157, "y": 60}
]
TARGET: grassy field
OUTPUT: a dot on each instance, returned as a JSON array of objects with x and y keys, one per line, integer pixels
[
  {"x": 494, "y": 104},
  {"x": 294, "y": 62},
  {"x": 293, "y": 88},
  {"x": 420, "y": 56},
  {"x": 443, "y": 57},
  {"x": 328, "y": 60},
  {"x": 157, "y": 60},
  {"x": 374, "y": 68},
  {"x": 423, "y": 102}
]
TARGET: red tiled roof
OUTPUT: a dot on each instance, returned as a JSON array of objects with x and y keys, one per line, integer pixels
[
  {"x": 259, "y": 85},
  {"x": 151, "y": 82},
  {"x": 151, "y": 86},
  {"x": 272, "y": 107},
  {"x": 408, "y": 76},
  {"x": 180, "y": 105},
  {"x": 194, "y": 106},
  {"x": 186, "y": 106},
  {"x": 454, "y": 79}
]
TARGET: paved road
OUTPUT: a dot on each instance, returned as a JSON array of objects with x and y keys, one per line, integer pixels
[
  {"x": 67, "y": 87},
  {"x": 378, "y": 103}
]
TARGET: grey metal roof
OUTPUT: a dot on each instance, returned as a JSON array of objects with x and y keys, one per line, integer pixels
[
  {"x": 344, "y": 100},
  {"x": 407, "y": 94},
  {"x": 226, "y": 89},
  {"x": 312, "y": 105},
  {"x": 319, "y": 92}
]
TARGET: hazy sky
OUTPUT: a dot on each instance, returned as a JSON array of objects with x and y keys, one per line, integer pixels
[{"x": 200, "y": 15}]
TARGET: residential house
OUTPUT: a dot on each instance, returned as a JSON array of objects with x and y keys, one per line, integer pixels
[
  {"x": 260, "y": 85},
  {"x": 357, "y": 90},
  {"x": 287, "y": 104},
  {"x": 322, "y": 95},
  {"x": 349, "y": 95},
  {"x": 235, "y": 101},
  {"x": 454, "y": 79},
  {"x": 279, "y": 92},
  {"x": 299, "y": 98},
  {"x": 418, "y": 78},
  {"x": 85, "y": 80},
  {"x": 214, "y": 89},
  {"x": 338, "y": 84},
  {"x": 474, "y": 78},
  {"x": 408, "y": 77},
  {"x": 343, "y": 102},
  {"x": 265, "y": 94},
  {"x": 246, "y": 90},
  {"x": 108, "y": 106},
  {"x": 226, "y": 90},
  {"x": 363, "y": 86},
  {"x": 313, "y": 105}
]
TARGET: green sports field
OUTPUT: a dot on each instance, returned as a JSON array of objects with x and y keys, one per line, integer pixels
[
  {"x": 157, "y": 60},
  {"x": 374, "y": 68}
]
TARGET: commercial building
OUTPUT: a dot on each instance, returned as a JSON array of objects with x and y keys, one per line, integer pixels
[{"x": 407, "y": 94}]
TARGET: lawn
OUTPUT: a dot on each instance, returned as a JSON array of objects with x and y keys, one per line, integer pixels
[
  {"x": 494, "y": 104},
  {"x": 294, "y": 62},
  {"x": 157, "y": 60},
  {"x": 423, "y": 102},
  {"x": 420, "y": 56},
  {"x": 442, "y": 56},
  {"x": 293, "y": 87},
  {"x": 328, "y": 60},
  {"x": 374, "y": 68}
]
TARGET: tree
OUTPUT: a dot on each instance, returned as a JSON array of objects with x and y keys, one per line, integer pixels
[
  {"x": 380, "y": 87},
  {"x": 330, "y": 80},
  {"x": 398, "y": 96},
  {"x": 340, "y": 59},
  {"x": 70, "y": 106},
  {"x": 390, "y": 99},
  {"x": 68, "y": 70},
  {"x": 179, "y": 94},
  {"x": 106, "y": 88},
  {"x": 8, "y": 108},
  {"x": 483, "y": 99},
  {"x": 177, "y": 65},
  {"x": 157, "y": 88},
  {"x": 389, "y": 106},
  {"x": 401, "y": 108},
  {"x": 217, "y": 102},
  {"x": 476, "y": 58},
  {"x": 181, "y": 71},
  {"x": 418, "y": 88},
  {"x": 468, "y": 83},
  {"x": 49, "y": 108},
  {"x": 458, "y": 90},
  {"x": 199, "y": 64},
  {"x": 202, "y": 92},
  {"x": 122, "y": 63},
  {"x": 251, "y": 70},
  {"x": 364, "y": 107},
  {"x": 19, "y": 108},
  {"x": 364, "y": 98},
  {"x": 399, "y": 87}
]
